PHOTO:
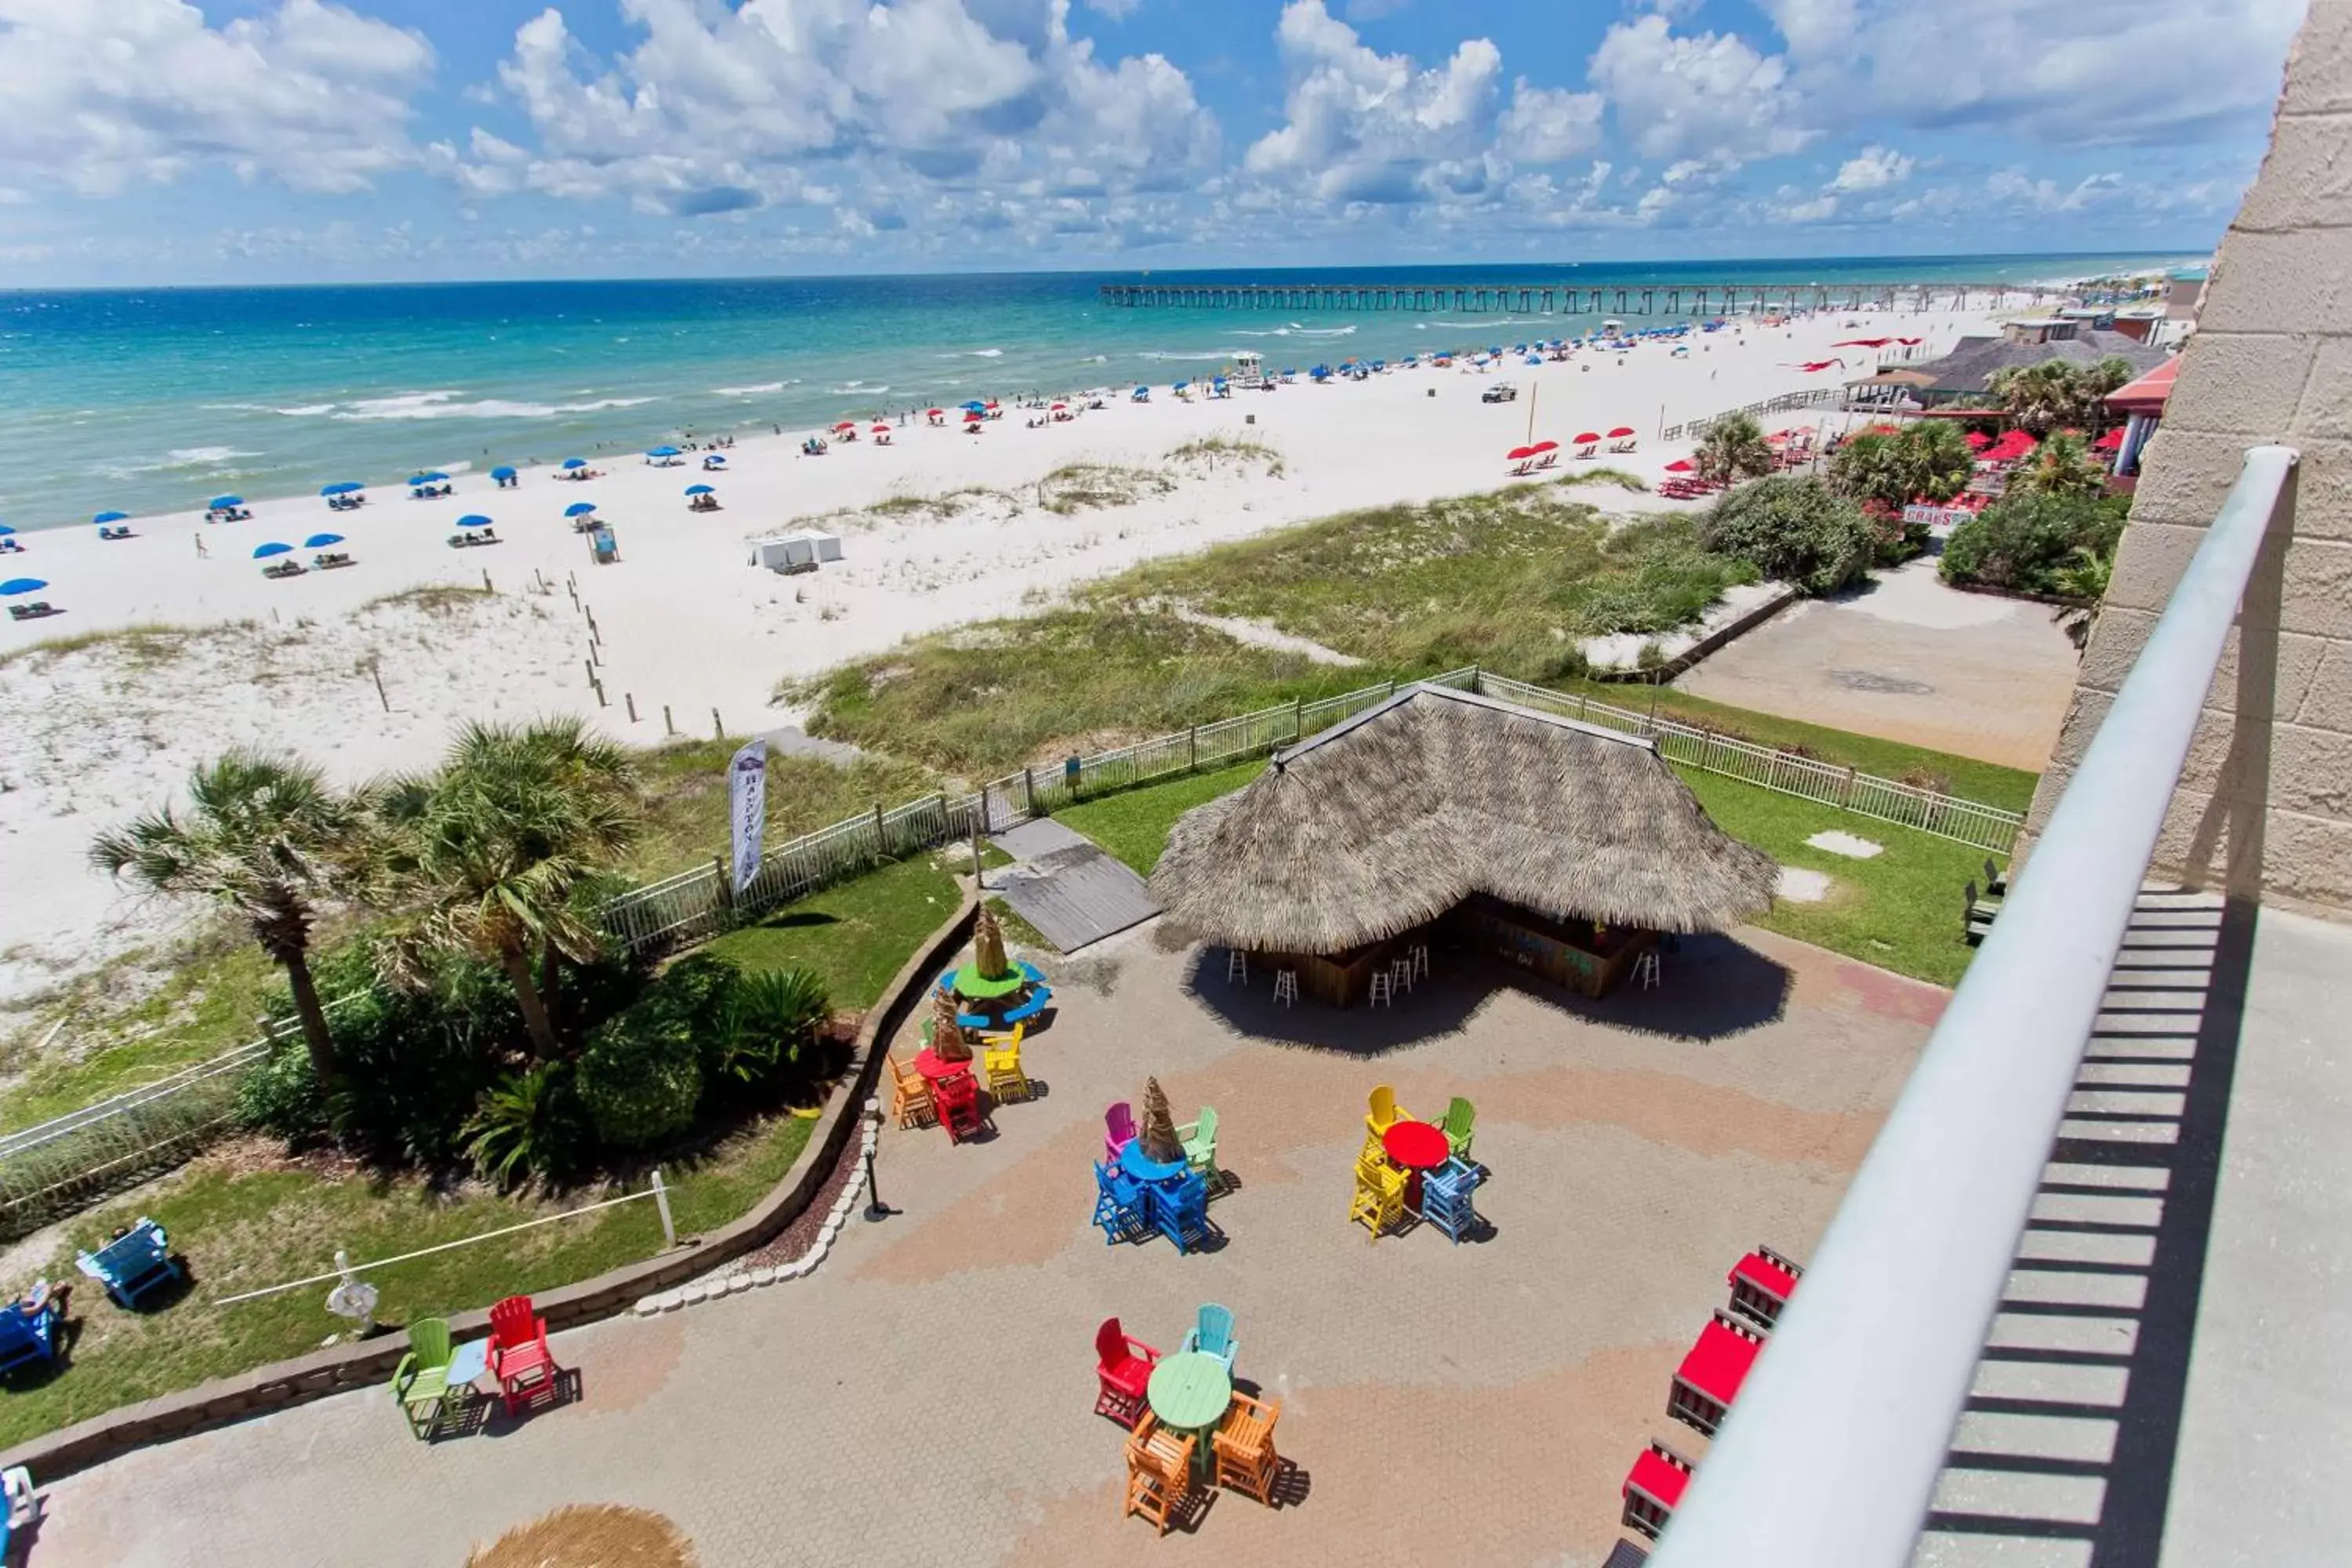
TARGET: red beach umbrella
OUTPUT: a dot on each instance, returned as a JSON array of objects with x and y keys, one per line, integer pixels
[
  {"x": 933, "y": 413},
  {"x": 1681, "y": 465},
  {"x": 880, "y": 429},
  {"x": 1587, "y": 435},
  {"x": 1058, "y": 407},
  {"x": 1542, "y": 447},
  {"x": 1620, "y": 430},
  {"x": 972, "y": 416},
  {"x": 1519, "y": 454},
  {"x": 846, "y": 425},
  {"x": 2112, "y": 441}
]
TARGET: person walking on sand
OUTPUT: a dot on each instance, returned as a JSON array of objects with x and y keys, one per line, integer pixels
[{"x": 202, "y": 554}]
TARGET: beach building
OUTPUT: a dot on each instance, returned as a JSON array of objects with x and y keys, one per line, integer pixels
[
  {"x": 1966, "y": 372},
  {"x": 1441, "y": 818},
  {"x": 2141, "y": 403}
]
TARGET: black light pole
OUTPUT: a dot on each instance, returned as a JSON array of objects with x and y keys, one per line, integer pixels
[{"x": 875, "y": 1210}]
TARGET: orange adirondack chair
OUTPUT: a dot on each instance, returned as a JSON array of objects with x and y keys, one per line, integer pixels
[
  {"x": 1159, "y": 1473},
  {"x": 1244, "y": 1446},
  {"x": 910, "y": 1097}
]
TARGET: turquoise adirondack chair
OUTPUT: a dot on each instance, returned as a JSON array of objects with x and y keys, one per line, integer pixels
[
  {"x": 421, "y": 1382},
  {"x": 1459, "y": 1118},
  {"x": 1212, "y": 1334},
  {"x": 1200, "y": 1141}
]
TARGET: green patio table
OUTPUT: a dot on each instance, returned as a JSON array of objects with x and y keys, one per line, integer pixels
[{"x": 1191, "y": 1392}]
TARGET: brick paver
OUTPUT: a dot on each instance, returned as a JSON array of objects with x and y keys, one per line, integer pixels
[{"x": 927, "y": 1398}]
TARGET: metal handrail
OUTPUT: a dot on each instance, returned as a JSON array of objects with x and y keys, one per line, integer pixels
[{"x": 1832, "y": 1453}]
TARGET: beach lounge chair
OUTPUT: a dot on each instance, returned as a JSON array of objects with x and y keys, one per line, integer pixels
[
  {"x": 329, "y": 560},
  {"x": 30, "y": 1337},
  {"x": 283, "y": 569},
  {"x": 133, "y": 1265},
  {"x": 34, "y": 611}
]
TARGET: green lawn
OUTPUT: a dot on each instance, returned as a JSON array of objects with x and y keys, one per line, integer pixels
[
  {"x": 856, "y": 935},
  {"x": 1133, "y": 824},
  {"x": 686, "y": 790},
  {"x": 240, "y": 1230}
]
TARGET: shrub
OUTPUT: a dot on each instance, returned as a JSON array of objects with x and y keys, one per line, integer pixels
[
  {"x": 786, "y": 1010},
  {"x": 281, "y": 1096},
  {"x": 638, "y": 1077},
  {"x": 1797, "y": 529},
  {"x": 2028, "y": 542},
  {"x": 527, "y": 1124}
]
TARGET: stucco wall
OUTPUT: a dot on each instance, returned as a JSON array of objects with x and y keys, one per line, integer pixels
[{"x": 2265, "y": 803}]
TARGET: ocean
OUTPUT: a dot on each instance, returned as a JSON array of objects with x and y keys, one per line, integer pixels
[{"x": 156, "y": 400}]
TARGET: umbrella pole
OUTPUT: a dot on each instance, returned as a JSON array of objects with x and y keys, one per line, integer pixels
[{"x": 1533, "y": 388}]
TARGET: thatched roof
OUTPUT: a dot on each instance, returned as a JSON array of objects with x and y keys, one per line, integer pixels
[{"x": 1384, "y": 822}]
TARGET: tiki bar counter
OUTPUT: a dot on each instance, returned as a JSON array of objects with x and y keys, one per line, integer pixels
[{"x": 1441, "y": 818}]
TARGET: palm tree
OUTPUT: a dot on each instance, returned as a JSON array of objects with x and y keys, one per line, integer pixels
[
  {"x": 2084, "y": 583},
  {"x": 495, "y": 849},
  {"x": 266, "y": 838},
  {"x": 2063, "y": 465},
  {"x": 1941, "y": 462},
  {"x": 1930, "y": 458},
  {"x": 1733, "y": 449}
]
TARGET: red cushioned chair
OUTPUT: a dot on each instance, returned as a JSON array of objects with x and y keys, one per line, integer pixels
[{"x": 1124, "y": 1366}]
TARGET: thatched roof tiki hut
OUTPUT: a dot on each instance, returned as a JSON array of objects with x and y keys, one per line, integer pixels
[{"x": 1564, "y": 847}]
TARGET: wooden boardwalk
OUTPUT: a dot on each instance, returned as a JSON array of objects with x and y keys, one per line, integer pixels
[{"x": 1075, "y": 895}]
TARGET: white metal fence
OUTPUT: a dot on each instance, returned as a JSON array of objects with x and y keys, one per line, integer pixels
[
  {"x": 1695, "y": 428},
  {"x": 1832, "y": 1453},
  {"x": 71, "y": 1161}
]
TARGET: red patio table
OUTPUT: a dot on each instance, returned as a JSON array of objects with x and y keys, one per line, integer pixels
[
  {"x": 1709, "y": 1378},
  {"x": 933, "y": 1068},
  {"x": 1418, "y": 1146}
]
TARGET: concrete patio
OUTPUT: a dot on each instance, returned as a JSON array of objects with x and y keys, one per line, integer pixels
[{"x": 927, "y": 1398}]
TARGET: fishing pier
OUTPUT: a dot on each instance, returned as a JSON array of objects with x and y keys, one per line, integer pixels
[{"x": 1576, "y": 299}]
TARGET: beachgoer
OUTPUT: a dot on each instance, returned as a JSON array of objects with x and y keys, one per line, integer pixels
[{"x": 199, "y": 546}]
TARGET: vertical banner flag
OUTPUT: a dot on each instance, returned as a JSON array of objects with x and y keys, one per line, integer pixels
[{"x": 747, "y": 807}]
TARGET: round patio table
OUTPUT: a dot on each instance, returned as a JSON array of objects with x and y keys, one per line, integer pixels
[
  {"x": 1144, "y": 1168},
  {"x": 1418, "y": 1146},
  {"x": 1191, "y": 1392},
  {"x": 934, "y": 1067}
]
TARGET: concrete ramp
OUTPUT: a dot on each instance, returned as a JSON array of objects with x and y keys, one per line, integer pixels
[{"x": 1075, "y": 895}]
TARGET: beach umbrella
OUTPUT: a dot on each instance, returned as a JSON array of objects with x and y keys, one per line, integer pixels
[
  {"x": 222, "y": 503},
  {"x": 663, "y": 452},
  {"x": 105, "y": 517},
  {"x": 716, "y": 457},
  {"x": 320, "y": 540},
  {"x": 579, "y": 509},
  {"x": 263, "y": 552},
  {"x": 1587, "y": 435},
  {"x": 473, "y": 520},
  {"x": 574, "y": 463},
  {"x": 5, "y": 531},
  {"x": 21, "y": 585},
  {"x": 699, "y": 490},
  {"x": 933, "y": 413},
  {"x": 880, "y": 428},
  {"x": 344, "y": 488},
  {"x": 1540, "y": 447},
  {"x": 1681, "y": 465},
  {"x": 502, "y": 472},
  {"x": 971, "y": 416},
  {"x": 1628, "y": 430},
  {"x": 420, "y": 479},
  {"x": 1178, "y": 385},
  {"x": 1058, "y": 407},
  {"x": 846, "y": 425},
  {"x": 976, "y": 407},
  {"x": 1519, "y": 454},
  {"x": 1141, "y": 391}
]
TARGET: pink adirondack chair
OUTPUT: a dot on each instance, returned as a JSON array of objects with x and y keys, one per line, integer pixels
[
  {"x": 1118, "y": 1129},
  {"x": 519, "y": 1356}
]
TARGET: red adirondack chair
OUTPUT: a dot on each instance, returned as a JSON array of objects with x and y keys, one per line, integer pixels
[
  {"x": 519, "y": 1358},
  {"x": 1124, "y": 1365},
  {"x": 958, "y": 1101}
]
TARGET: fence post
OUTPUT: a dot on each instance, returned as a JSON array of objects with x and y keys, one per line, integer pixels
[
  {"x": 1029, "y": 790},
  {"x": 1478, "y": 680},
  {"x": 947, "y": 820},
  {"x": 661, "y": 1202},
  {"x": 881, "y": 851},
  {"x": 726, "y": 882},
  {"x": 1295, "y": 722},
  {"x": 1192, "y": 749},
  {"x": 1846, "y": 791}
]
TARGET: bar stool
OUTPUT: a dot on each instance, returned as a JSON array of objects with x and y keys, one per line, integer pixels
[
  {"x": 1420, "y": 961},
  {"x": 1384, "y": 989},
  {"x": 1645, "y": 969},
  {"x": 1237, "y": 966},
  {"x": 1285, "y": 986},
  {"x": 1400, "y": 974}
]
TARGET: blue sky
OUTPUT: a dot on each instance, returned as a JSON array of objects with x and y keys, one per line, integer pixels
[{"x": 279, "y": 141}]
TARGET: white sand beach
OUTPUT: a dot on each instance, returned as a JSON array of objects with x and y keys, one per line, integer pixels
[{"x": 686, "y": 623}]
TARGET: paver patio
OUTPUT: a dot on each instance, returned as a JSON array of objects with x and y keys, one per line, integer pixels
[{"x": 926, "y": 1397}]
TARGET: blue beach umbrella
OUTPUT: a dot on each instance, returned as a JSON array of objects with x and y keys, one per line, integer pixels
[
  {"x": 1142, "y": 390},
  {"x": 976, "y": 406},
  {"x": 222, "y": 503},
  {"x": 320, "y": 540},
  {"x": 21, "y": 585},
  {"x": 347, "y": 487},
  {"x": 663, "y": 452},
  {"x": 5, "y": 531},
  {"x": 473, "y": 519},
  {"x": 575, "y": 462},
  {"x": 579, "y": 509},
  {"x": 699, "y": 490},
  {"x": 263, "y": 552},
  {"x": 502, "y": 472},
  {"x": 105, "y": 517}
]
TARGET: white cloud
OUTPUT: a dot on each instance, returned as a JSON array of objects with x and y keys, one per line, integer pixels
[
  {"x": 1818, "y": 209},
  {"x": 2155, "y": 71},
  {"x": 1361, "y": 126},
  {"x": 1873, "y": 169},
  {"x": 717, "y": 109},
  {"x": 1709, "y": 95},
  {"x": 103, "y": 93}
]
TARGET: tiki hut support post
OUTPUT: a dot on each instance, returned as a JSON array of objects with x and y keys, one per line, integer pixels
[
  {"x": 988, "y": 946},
  {"x": 1158, "y": 1136},
  {"x": 948, "y": 1043}
]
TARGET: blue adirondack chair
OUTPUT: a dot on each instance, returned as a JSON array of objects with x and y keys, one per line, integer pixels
[
  {"x": 1212, "y": 1334},
  {"x": 1446, "y": 1198},
  {"x": 28, "y": 1337},
  {"x": 132, "y": 1265},
  {"x": 1119, "y": 1206},
  {"x": 1179, "y": 1210}
]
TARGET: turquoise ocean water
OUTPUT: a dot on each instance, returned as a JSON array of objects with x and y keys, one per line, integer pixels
[{"x": 151, "y": 400}]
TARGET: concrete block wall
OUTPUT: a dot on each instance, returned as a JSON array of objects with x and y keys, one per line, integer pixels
[{"x": 2265, "y": 803}]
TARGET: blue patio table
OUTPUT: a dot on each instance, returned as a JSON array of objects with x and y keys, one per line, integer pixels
[
  {"x": 468, "y": 1363},
  {"x": 1190, "y": 1392}
]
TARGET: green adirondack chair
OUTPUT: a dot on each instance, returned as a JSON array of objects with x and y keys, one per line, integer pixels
[
  {"x": 1459, "y": 1118},
  {"x": 1200, "y": 1141},
  {"x": 421, "y": 1382}
]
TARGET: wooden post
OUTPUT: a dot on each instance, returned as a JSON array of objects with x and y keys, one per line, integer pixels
[
  {"x": 631, "y": 698},
  {"x": 1029, "y": 790},
  {"x": 667, "y": 728},
  {"x": 487, "y": 587},
  {"x": 590, "y": 664},
  {"x": 880, "y": 850},
  {"x": 600, "y": 695},
  {"x": 718, "y": 729},
  {"x": 1294, "y": 719},
  {"x": 1192, "y": 750},
  {"x": 726, "y": 882},
  {"x": 661, "y": 1202},
  {"x": 1477, "y": 676}
]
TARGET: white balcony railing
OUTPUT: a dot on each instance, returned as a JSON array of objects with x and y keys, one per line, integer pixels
[{"x": 1831, "y": 1452}]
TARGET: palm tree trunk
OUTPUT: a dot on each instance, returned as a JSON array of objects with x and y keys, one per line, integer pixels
[
  {"x": 313, "y": 1017},
  {"x": 534, "y": 1011},
  {"x": 551, "y": 985}
]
